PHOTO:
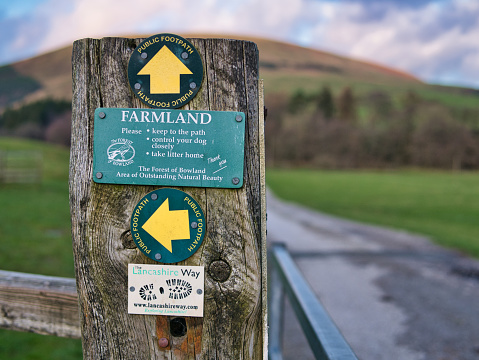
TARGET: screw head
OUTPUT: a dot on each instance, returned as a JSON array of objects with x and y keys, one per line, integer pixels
[
  {"x": 184, "y": 55},
  {"x": 158, "y": 256},
  {"x": 102, "y": 115},
  {"x": 99, "y": 175},
  {"x": 194, "y": 225},
  {"x": 235, "y": 181},
  {"x": 137, "y": 86},
  {"x": 199, "y": 291},
  {"x": 239, "y": 118},
  {"x": 144, "y": 55},
  {"x": 154, "y": 196},
  {"x": 132, "y": 288},
  {"x": 192, "y": 85},
  {"x": 163, "y": 342}
]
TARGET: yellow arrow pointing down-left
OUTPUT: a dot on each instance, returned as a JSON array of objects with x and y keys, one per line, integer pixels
[{"x": 165, "y": 225}]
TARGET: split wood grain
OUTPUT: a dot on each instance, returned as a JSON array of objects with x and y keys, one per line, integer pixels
[
  {"x": 233, "y": 326},
  {"x": 40, "y": 304}
]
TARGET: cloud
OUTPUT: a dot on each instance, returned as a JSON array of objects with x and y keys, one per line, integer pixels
[
  {"x": 436, "y": 42},
  {"x": 21, "y": 30},
  {"x": 90, "y": 18}
]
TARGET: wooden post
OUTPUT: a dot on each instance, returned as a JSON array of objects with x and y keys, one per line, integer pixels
[{"x": 233, "y": 252}]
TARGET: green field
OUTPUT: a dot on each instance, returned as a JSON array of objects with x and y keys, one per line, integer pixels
[
  {"x": 35, "y": 223},
  {"x": 35, "y": 235},
  {"x": 442, "y": 205}
]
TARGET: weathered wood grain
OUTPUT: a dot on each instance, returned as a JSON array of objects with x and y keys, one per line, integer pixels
[
  {"x": 233, "y": 325},
  {"x": 45, "y": 305}
]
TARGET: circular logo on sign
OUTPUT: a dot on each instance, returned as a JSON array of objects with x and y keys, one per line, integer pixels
[
  {"x": 165, "y": 71},
  {"x": 168, "y": 225},
  {"x": 120, "y": 152}
]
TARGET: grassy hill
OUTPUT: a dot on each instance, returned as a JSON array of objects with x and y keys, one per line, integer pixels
[
  {"x": 382, "y": 116},
  {"x": 51, "y": 72},
  {"x": 284, "y": 67}
]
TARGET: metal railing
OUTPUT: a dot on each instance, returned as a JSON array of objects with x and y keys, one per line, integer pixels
[{"x": 324, "y": 338}]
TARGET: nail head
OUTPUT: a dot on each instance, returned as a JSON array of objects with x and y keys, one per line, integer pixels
[
  {"x": 154, "y": 196},
  {"x": 99, "y": 175},
  {"x": 184, "y": 55},
  {"x": 163, "y": 342},
  {"x": 137, "y": 86},
  {"x": 194, "y": 225},
  {"x": 235, "y": 181},
  {"x": 102, "y": 115},
  {"x": 192, "y": 85},
  {"x": 239, "y": 118},
  {"x": 144, "y": 55},
  {"x": 158, "y": 256}
]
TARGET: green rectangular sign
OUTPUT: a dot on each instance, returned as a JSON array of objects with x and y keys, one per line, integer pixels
[{"x": 169, "y": 147}]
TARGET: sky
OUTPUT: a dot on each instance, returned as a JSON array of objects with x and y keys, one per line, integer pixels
[{"x": 435, "y": 40}]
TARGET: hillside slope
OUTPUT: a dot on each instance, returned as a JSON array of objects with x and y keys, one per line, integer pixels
[{"x": 284, "y": 67}]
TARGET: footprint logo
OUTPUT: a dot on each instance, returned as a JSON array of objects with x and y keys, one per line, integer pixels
[
  {"x": 179, "y": 289},
  {"x": 146, "y": 292}
]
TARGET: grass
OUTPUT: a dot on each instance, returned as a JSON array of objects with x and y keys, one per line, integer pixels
[
  {"x": 36, "y": 238},
  {"x": 35, "y": 223},
  {"x": 441, "y": 205}
]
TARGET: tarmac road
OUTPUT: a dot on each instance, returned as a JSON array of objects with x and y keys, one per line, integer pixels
[{"x": 393, "y": 295}]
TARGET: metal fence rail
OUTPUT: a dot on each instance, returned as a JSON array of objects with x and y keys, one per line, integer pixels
[{"x": 324, "y": 338}]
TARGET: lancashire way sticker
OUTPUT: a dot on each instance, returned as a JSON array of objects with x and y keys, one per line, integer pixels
[
  {"x": 166, "y": 290},
  {"x": 168, "y": 225},
  {"x": 165, "y": 71}
]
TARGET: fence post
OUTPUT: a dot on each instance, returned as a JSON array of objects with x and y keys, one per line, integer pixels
[{"x": 233, "y": 251}]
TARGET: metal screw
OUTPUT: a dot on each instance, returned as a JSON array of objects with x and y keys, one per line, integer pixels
[
  {"x": 132, "y": 288},
  {"x": 158, "y": 256},
  {"x": 192, "y": 85},
  {"x": 102, "y": 115},
  {"x": 144, "y": 55},
  {"x": 137, "y": 86},
  {"x": 99, "y": 175},
  {"x": 199, "y": 291},
  {"x": 235, "y": 181},
  {"x": 154, "y": 196},
  {"x": 194, "y": 225},
  {"x": 184, "y": 55},
  {"x": 239, "y": 118},
  {"x": 163, "y": 342}
]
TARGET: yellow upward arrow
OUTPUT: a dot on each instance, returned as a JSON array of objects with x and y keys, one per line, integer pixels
[
  {"x": 164, "y": 70},
  {"x": 165, "y": 225}
]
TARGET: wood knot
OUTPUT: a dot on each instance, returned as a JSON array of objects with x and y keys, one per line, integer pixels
[
  {"x": 127, "y": 240},
  {"x": 219, "y": 270}
]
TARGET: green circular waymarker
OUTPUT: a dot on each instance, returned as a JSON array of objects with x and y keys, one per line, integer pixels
[
  {"x": 165, "y": 71},
  {"x": 168, "y": 225}
]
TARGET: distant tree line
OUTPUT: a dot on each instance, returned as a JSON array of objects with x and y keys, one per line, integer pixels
[
  {"x": 322, "y": 129},
  {"x": 343, "y": 130},
  {"x": 48, "y": 120}
]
